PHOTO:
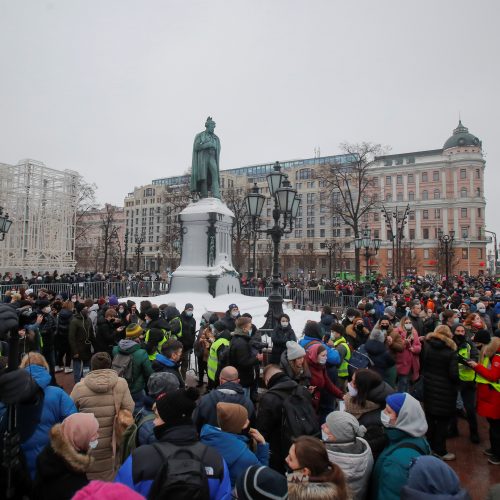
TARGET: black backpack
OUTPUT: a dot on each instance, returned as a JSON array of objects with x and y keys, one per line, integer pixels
[
  {"x": 359, "y": 359},
  {"x": 298, "y": 417},
  {"x": 182, "y": 475},
  {"x": 123, "y": 364}
]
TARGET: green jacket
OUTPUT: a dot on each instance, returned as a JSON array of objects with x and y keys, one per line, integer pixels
[
  {"x": 390, "y": 473},
  {"x": 141, "y": 366}
]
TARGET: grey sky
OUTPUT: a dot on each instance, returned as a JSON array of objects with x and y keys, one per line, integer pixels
[{"x": 118, "y": 89}]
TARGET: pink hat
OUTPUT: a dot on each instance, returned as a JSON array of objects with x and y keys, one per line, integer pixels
[
  {"x": 80, "y": 429},
  {"x": 107, "y": 491}
]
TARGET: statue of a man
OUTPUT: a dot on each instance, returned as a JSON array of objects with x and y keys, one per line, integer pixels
[{"x": 205, "y": 166}]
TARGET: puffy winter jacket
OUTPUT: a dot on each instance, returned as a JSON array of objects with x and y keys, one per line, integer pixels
[
  {"x": 141, "y": 368},
  {"x": 280, "y": 337}
]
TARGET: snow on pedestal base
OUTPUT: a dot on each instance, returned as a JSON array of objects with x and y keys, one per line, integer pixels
[{"x": 206, "y": 264}]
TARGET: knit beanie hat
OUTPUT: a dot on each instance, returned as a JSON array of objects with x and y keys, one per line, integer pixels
[
  {"x": 262, "y": 483},
  {"x": 188, "y": 306},
  {"x": 396, "y": 401},
  {"x": 482, "y": 337},
  {"x": 113, "y": 301},
  {"x": 294, "y": 350},
  {"x": 177, "y": 407},
  {"x": 231, "y": 417},
  {"x": 344, "y": 426},
  {"x": 133, "y": 330},
  {"x": 106, "y": 491},
  {"x": 390, "y": 310},
  {"x": 377, "y": 335},
  {"x": 153, "y": 313},
  {"x": 160, "y": 382},
  {"x": 80, "y": 429}
]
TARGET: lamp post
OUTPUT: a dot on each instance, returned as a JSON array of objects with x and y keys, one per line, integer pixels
[
  {"x": 125, "y": 251},
  {"x": 330, "y": 245},
  {"x": 396, "y": 235},
  {"x": 139, "y": 250},
  {"x": 446, "y": 240},
  {"x": 286, "y": 207},
  {"x": 5, "y": 224},
  {"x": 158, "y": 255},
  {"x": 367, "y": 243}
]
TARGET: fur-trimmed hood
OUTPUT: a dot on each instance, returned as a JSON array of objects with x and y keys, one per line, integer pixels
[
  {"x": 493, "y": 347},
  {"x": 79, "y": 462},
  {"x": 443, "y": 338},
  {"x": 351, "y": 332}
]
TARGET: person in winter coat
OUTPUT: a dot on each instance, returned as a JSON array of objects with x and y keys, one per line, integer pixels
[
  {"x": 327, "y": 321},
  {"x": 356, "y": 334},
  {"x": 64, "y": 462},
  {"x": 369, "y": 316},
  {"x": 378, "y": 352},
  {"x": 141, "y": 366},
  {"x": 467, "y": 386},
  {"x": 169, "y": 360},
  {"x": 429, "y": 477},
  {"x": 228, "y": 391},
  {"x": 108, "y": 331},
  {"x": 394, "y": 343},
  {"x": 293, "y": 363},
  {"x": 230, "y": 317},
  {"x": 232, "y": 439},
  {"x": 408, "y": 360},
  {"x": 416, "y": 317},
  {"x": 312, "y": 335},
  {"x": 282, "y": 333},
  {"x": 81, "y": 337},
  {"x": 155, "y": 332},
  {"x": 173, "y": 426},
  {"x": 261, "y": 482},
  {"x": 202, "y": 346},
  {"x": 343, "y": 437},
  {"x": 56, "y": 406},
  {"x": 406, "y": 426},
  {"x": 316, "y": 360},
  {"x": 488, "y": 392},
  {"x": 103, "y": 393},
  {"x": 47, "y": 333},
  {"x": 188, "y": 336},
  {"x": 63, "y": 351},
  {"x": 241, "y": 354},
  {"x": 440, "y": 372}
]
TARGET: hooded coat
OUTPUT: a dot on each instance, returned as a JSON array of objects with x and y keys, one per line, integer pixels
[
  {"x": 304, "y": 378},
  {"x": 390, "y": 473},
  {"x": 61, "y": 470},
  {"x": 440, "y": 372},
  {"x": 81, "y": 337},
  {"x": 488, "y": 398},
  {"x": 409, "y": 359},
  {"x": 57, "y": 405},
  {"x": 141, "y": 368},
  {"x": 164, "y": 364},
  {"x": 355, "y": 337},
  {"x": 379, "y": 354},
  {"x": 242, "y": 357},
  {"x": 280, "y": 337},
  {"x": 103, "y": 392}
]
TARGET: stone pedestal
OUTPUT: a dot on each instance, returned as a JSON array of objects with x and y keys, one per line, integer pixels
[{"x": 206, "y": 263}]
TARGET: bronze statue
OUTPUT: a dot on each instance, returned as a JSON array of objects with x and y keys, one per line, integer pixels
[{"x": 205, "y": 166}]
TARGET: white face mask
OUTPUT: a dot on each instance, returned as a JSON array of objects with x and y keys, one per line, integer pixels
[
  {"x": 189, "y": 313},
  {"x": 46, "y": 310},
  {"x": 93, "y": 444},
  {"x": 322, "y": 360},
  {"x": 352, "y": 390},
  {"x": 408, "y": 326},
  {"x": 350, "y": 318},
  {"x": 235, "y": 314},
  {"x": 385, "y": 419},
  {"x": 284, "y": 324}
]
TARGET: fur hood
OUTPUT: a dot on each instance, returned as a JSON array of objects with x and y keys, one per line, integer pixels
[
  {"x": 492, "y": 348},
  {"x": 440, "y": 336},
  {"x": 79, "y": 462},
  {"x": 352, "y": 333}
]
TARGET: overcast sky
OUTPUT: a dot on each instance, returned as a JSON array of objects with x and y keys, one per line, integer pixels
[{"x": 117, "y": 89}]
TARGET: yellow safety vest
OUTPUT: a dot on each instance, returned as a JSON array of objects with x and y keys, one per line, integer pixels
[
  {"x": 481, "y": 380},
  {"x": 153, "y": 355},
  {"x": 342, "y": 370},
  {"x": 465, "y": 373},
  {"x": 213, "y": 360}
]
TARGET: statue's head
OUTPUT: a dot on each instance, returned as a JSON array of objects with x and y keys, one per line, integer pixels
[{"x": 210, "y": 124}]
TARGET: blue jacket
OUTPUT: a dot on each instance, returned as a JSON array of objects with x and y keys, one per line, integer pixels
[
  {"x": 139, "y": 470},
  {"x": 390, "y": 473},
  {"x": 57, "y": 405},
  {"x": 332, "y": 357},
  {"x": 234, "y": 449},
  {"x": 164, "y": 364},
  {"x": 379, "y": 309}
]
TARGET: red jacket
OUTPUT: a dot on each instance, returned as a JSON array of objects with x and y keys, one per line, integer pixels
[
  {"x": 488, "y": 398},
  {"x": 319, "y": 377}
]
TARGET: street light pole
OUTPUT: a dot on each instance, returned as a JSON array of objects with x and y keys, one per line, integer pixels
[
  {"x": 367, "y": 243},
  {"x": 447, "y": 241},
  {"x": 329, "y": 244},
  {"x": 139, "y": 249},
  {"x": 5, "y": 224}
]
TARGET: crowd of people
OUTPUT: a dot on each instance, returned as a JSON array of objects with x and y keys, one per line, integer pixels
[{"x": 359, "y": 405}]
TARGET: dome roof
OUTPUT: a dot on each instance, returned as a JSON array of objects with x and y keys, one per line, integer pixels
[{"x": 461, "y": 137}]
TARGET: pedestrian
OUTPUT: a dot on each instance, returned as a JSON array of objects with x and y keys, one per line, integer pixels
[
  {"x": 282, "y": 333},
  {"x": 293, "y": 363},
  {"x": 188, "y": 337},
  {"x": 261, "y": 483},
  {"x": 81, "y": 338},
  {"x": 408, "y": 360},
  {"x": 169, "y": 360}
]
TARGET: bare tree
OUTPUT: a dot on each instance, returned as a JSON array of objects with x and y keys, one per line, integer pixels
[
  {"x": 85, "y": 203},
  {"x": 109, "y": 231},
  {"x": 351, "y": 187}
]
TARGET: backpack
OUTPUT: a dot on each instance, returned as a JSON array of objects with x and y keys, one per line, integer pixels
[
  {"x": 298, "y": 417},
  {"x": 182, "y": 475},
  {"x": 359, "y": 359},
  {"x": 130, "y": 438},
  {"x": 122, "y": 364}
]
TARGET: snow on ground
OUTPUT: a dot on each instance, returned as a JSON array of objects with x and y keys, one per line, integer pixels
[{"x": 256, "y": 306}]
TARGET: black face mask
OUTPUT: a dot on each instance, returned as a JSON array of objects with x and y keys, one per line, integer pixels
[{"x": 359, "y": 327}]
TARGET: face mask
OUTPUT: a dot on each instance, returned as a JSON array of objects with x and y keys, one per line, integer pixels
[
  {"x": 235, "y": 314},
  {"x": 372, "y": 312},
  {"x": 385, "y": 419},
  {"x": 322, "y": 361},
  {"x": 350, "y": 318},
  {"x": 284, "y": 324},
  {"x": 93, "y": 444},
  {"x": 189, "y": 313},
  {"x": 384, "y": 328},
  {"x": 352, "y": 390},
  {"x": 359, "y": 327},
  {"x": 456, "y": 321},
  {"x": 408, "y": 326},
  {"x": 324, "y": 436},
  {"x": 46, "y": 310},
  {"x": 121, "y": 311}
]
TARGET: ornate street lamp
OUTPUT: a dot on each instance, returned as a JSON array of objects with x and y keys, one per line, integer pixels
[
  {"x": 367, "y": 243},
  {"x": 5, "y": 224},
  {"x": 286, "y": 207},
  {"x": 446, "y": 240},
  {"x": 139, "y": 250},
  {"x": 329, "y": 245}
]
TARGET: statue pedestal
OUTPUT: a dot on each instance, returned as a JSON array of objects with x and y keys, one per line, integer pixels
[{"x": 206, "y": 262}]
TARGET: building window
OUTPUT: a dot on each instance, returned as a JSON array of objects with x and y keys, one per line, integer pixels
[
  {"x": 410, "y": 179},
  {"x": 437, "y": 194},
  {"x": 321, "y": 233},
  {"x": 465, "y": 253},
  {"x": 410, "y": 159},
  {"x": 388, "y": 180},
  {"x": 400, "y": 196},
  {"x": 425, "y": 214},
  {"x": 425, "y": 195},
  {"x": 411, "y": 196},
  {"x": 435, "y": 175},
  {"x": 347, "y": 246},
  {"x": 388, "y": 197},
  {"x": 424, "y": 176},
  {"x": 387, "y": 163},
  {"x": 375, "y": 181},
  {"x": 347, "y": 232},
  {"x": 298, "y": 234},
  {"x": 478, "y": 192},
  {"x": 310, "y": 233},
  {"x": 465, "y": 232},
  {"x": 425, "y": 233},
  {"x": 479, "y": 253},
  {"x": 412, "y": 234},
  {"x": 398, "y": 161},
  {"x": 322, "y": 220},
  {"x": 426, "y": 253},
  {"x": 478, "y": 173},
  {"x": 463, "y": 193},
  {"x": 376, "y": 233},
  {"x": 411, "y": 215},
  {"x": 399, "y": 180},
  {"x": 463, "y": 213},
  {"x": 463, "y": 173},
  {"x": 437, "y": 213},
  {"x": 479, "y": 212},
  {"x": 376, "y": 216}
]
